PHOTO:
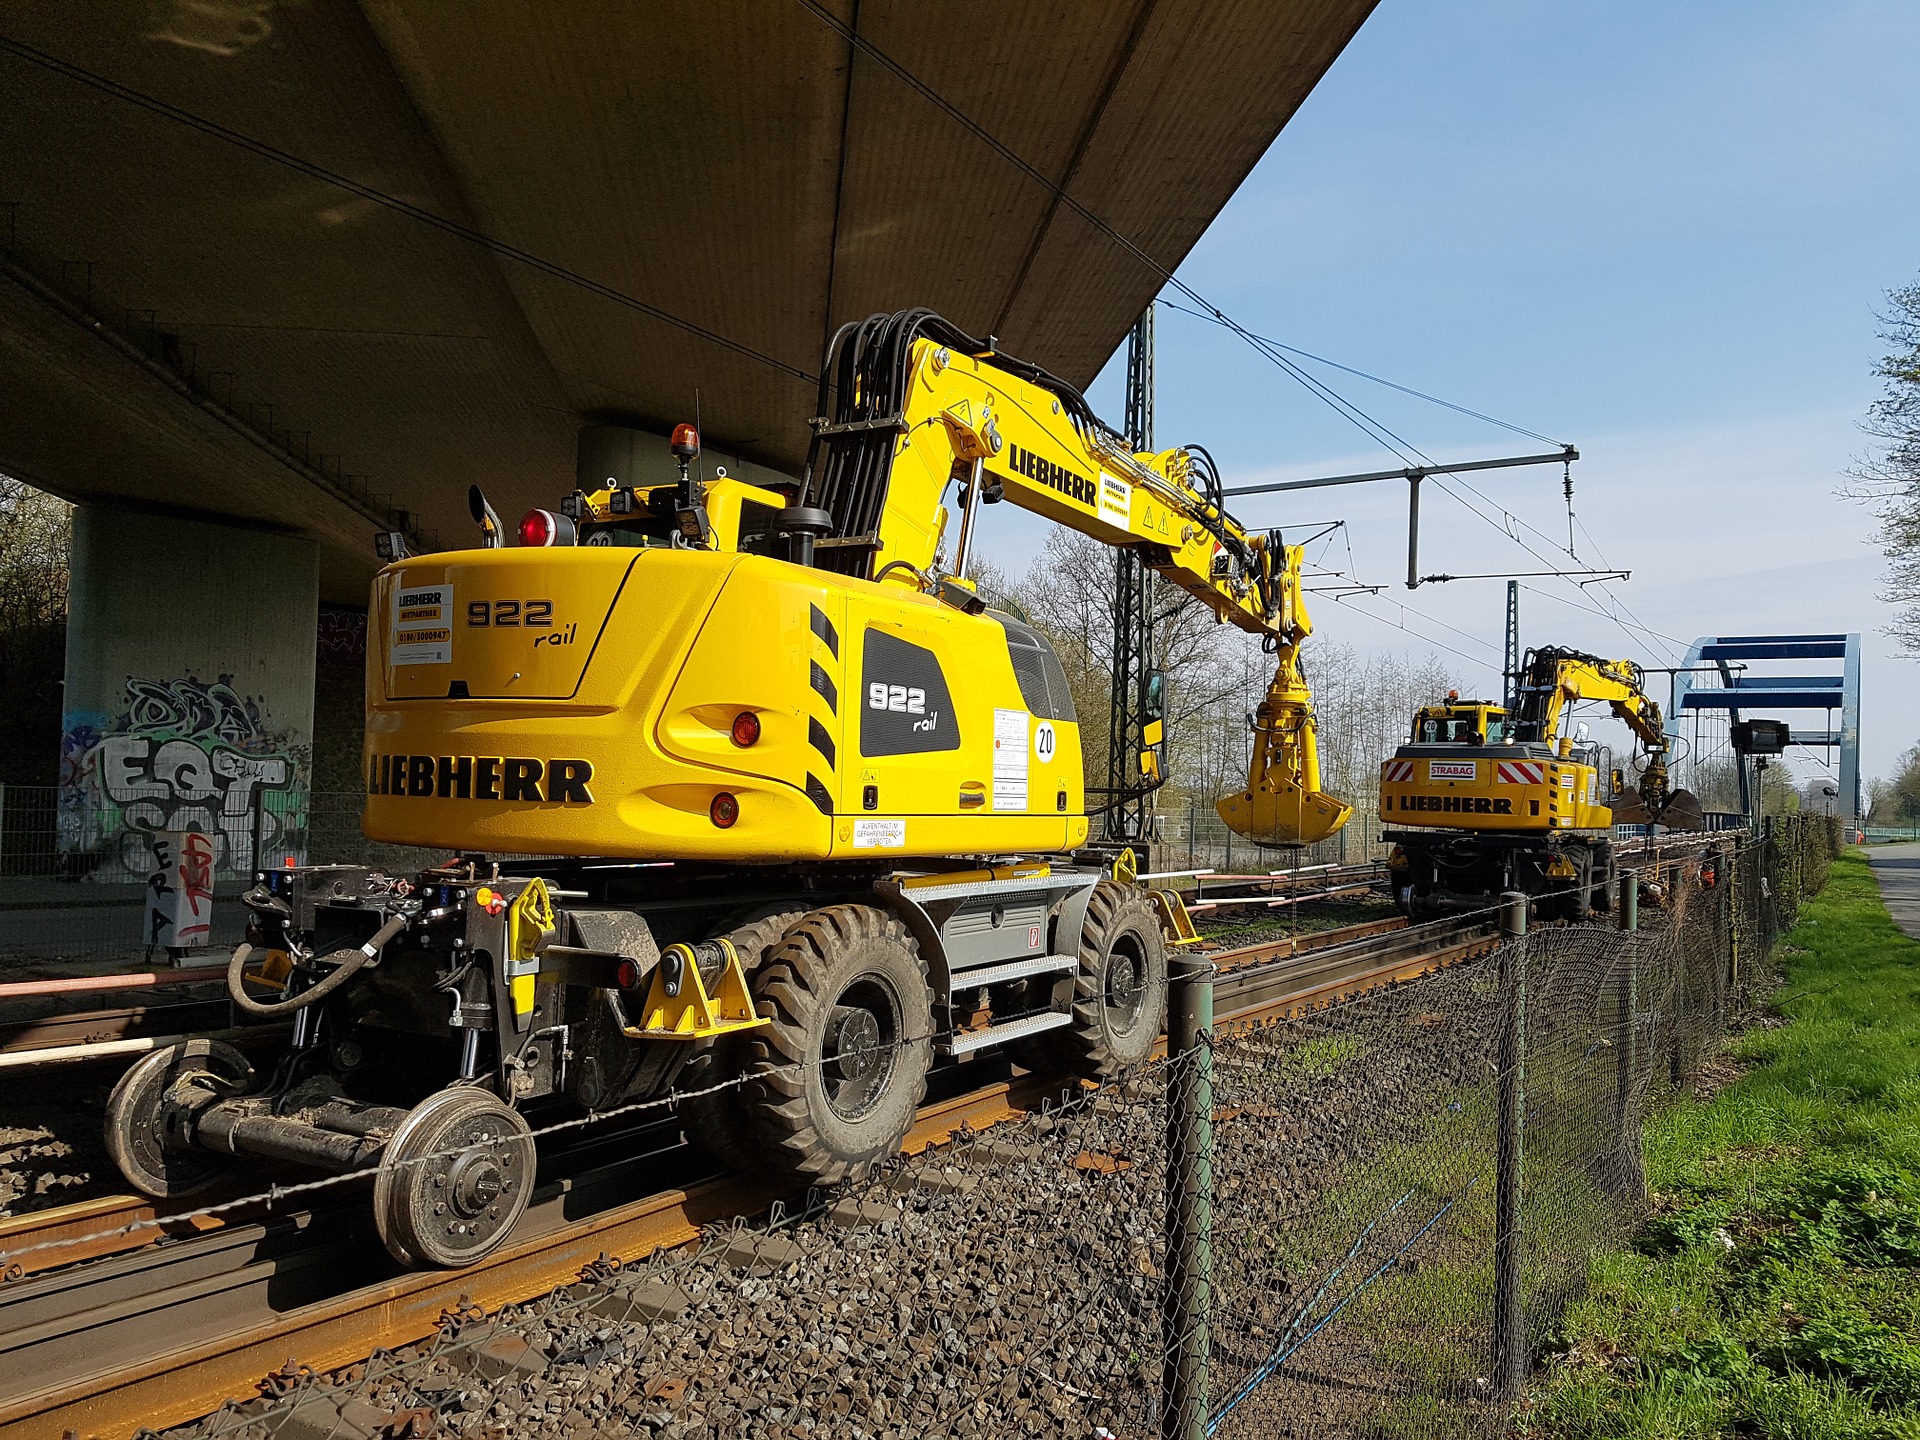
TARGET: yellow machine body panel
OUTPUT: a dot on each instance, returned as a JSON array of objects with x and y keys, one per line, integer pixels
[
  {"x": 887, "y": 722},
  {"x": 1484, "y": 790}
]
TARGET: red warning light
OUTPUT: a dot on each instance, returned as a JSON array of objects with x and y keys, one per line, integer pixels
[
  {"x": 539, "y": 528},
  {"x": 686, "y": 441}
]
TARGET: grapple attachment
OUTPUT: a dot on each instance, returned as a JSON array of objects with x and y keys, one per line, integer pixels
[
  {"x": 1283, "y": 803},
  {"x": 1282, "y": 812}
]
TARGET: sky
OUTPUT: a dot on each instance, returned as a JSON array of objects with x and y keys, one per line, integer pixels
[{"x": 1658, "y": 231}]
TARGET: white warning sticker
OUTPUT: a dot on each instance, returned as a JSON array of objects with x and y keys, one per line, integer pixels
[
  {"x": 880, "y": 834},
  {"x": 1116, "y": 499},
  {"x": 422, "y": 625},
  {"x": 1010, "y": 759}
]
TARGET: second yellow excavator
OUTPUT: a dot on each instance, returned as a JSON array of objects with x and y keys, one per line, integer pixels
[{"x": 1482, "y": 800}]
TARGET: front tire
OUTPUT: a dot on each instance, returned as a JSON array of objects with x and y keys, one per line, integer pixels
[
  {"x": 1119, "y": 989},
  {"x": 834, "y": 1082}
]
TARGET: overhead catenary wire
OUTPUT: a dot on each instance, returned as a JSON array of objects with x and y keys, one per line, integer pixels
[
  {"x": 1382, "y": 380},
  {"x": 1400, "y": 624},
  {"x": 1398, "y": 445}
]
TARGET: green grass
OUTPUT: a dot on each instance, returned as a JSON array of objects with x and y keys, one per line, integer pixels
[{"x": 1775, "y": 1291}]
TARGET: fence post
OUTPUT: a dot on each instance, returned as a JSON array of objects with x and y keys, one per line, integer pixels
[
  {"x": 1509, "y": 1312},
  {"x": 1186, "y": 1314},
  {"x": 1626, "y": 909}
]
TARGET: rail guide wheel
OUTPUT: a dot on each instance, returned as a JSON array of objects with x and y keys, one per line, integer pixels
[
  {"x": 151, "y": 1109},
  {"x": 454, "y": 1179},
  {"x": 834, "y": 1082}
]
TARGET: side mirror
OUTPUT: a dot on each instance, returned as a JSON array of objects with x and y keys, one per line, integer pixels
[{"x": 1156, "y": 697}]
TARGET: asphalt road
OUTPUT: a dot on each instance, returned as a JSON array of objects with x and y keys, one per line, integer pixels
[{"x": 1897, "y": 868}]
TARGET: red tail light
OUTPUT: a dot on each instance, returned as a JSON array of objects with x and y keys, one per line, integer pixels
[
  {"x": 628, "y": 975},
  {"x": 746, "y": 728},
  {"x": 724, "y": 810}
]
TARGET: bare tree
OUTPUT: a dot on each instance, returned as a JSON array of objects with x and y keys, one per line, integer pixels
[
  {"x": 1889, "y": 477},
  {"x": 36, "y": 538},
  {"x": 36, "y": 533},
  {"x": 1217, "y": 676}
]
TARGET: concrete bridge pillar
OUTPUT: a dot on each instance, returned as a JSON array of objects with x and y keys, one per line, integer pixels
[{"x": 189, "y": 691}]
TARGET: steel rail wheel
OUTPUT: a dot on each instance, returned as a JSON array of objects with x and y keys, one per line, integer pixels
[
  {"x": 454, "y": 1179},
  {"x": 834, "y": 1082},
  {"x": 153, "y": 1104}
]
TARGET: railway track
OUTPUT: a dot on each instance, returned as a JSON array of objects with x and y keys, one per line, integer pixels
[{"x": 162, "y": 1325}]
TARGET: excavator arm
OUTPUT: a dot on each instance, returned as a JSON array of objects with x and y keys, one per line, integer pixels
[
  {"x": 1554, "y": 678},
  {"x": 917, "y": 419}
]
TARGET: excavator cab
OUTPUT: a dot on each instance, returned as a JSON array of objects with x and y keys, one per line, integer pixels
[{"x": 1461, "y": 722}]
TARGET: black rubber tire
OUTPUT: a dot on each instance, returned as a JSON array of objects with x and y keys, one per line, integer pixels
[
  {"x": 146, "y": 1107},
  {"x": 467, "y": 1152},
  {"x": 718, "y": 1122},
  {"x": 1609, "y": 881},
  {"x": 1107, "y": 1038},
  {"x": 815, "y": 1118}
]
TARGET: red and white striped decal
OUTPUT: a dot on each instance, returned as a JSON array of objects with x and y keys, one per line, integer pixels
[
  {"x": 1397, "y": 771},
  {"x": 1520, "y": 772}
]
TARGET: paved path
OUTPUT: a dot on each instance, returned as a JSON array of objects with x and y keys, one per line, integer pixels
[{"x": 1897, "y": 868}]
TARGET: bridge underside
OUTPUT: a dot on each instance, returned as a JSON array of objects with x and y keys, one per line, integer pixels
[
  {"x": 305, "y": 265},
  {"x": 275, "y": 276}
]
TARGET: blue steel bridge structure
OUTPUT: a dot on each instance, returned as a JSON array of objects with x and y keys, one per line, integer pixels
[{"x": 1730, "y": 678}]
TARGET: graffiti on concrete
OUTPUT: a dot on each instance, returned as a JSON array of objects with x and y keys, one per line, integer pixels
[
  {"x": 340, "y": 637},
  {"x": 178, "y": 755}
]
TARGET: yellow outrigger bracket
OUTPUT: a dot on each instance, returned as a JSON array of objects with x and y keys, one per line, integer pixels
[
  {"x": 1174, "y": 919},
  {"x": 530, "y": 922},
  {"x": 679, "y": 1007},
  {"x": 1176, "y": 924}
]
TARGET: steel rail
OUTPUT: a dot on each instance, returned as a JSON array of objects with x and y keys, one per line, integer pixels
[
  {"x": 89, "y": 1216},
  {"x": 160, "y": 1334}
]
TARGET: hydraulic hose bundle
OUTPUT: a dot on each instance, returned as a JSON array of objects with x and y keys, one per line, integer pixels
[{"x": 348, "y": 962}]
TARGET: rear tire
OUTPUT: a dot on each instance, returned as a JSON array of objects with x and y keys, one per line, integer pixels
[
  {"x": 834, "y": 1082},
  {"x": 717, "y": 1122},
  {"x": 1119, "y": 990}
]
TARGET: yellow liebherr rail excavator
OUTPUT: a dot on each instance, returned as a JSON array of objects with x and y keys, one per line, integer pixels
[
  {"x": 1483, "y": 800},
  {"x": 809, "y": 783}
]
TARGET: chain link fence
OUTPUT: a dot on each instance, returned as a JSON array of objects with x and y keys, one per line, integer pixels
[
  {"x": 1350, "y": 1221},
  {"x": 73, "y": 885}
]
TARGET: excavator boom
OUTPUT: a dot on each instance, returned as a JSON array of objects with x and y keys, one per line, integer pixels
[{"x": 922, "y": 412}]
